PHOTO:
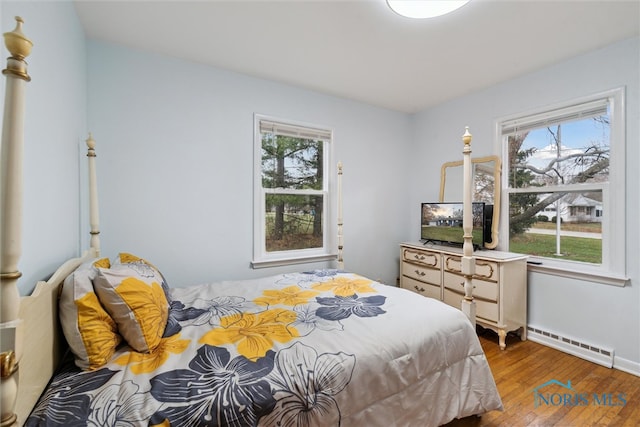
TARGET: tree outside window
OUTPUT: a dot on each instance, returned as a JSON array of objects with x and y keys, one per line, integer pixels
[
  {"x": 557, "y": 175},
  {"x": 292, "y": 171},
  {"x": 291, "y": 191}
]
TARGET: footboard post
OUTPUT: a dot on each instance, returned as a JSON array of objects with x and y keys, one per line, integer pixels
[
  {"x": 340, "y": 221},
  {"x": 93, "y": 196},
  {"x": 11, "y": 218},
  {"x": 468, "y": 261}
]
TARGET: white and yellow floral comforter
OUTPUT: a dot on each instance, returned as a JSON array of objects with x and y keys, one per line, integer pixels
[{"x": 322, "y": 348}]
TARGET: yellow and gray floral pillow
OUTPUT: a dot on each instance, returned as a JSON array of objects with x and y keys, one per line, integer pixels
[
  {"x": 136, "y": 301},
  {"x": 90, "y": 331},
  {"x": 145, "y": 268}
]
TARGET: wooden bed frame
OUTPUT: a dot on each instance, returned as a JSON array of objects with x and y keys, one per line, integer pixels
[
  {"x": 11, "y": 327},
  {"x": 30, "y": 333}
]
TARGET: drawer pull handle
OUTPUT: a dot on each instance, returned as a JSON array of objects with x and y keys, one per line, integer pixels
[
  {"x": 422, "y": 258},
  {"x": 420, "y": 273},
  {"x": 419, "y": 289}
]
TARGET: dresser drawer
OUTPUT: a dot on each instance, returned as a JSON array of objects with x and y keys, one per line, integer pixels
[
  {"x": 481, "y": 288},
  {"x": 485, "y": 270},
  {"x": 424, "y": 289},
  {"x": 484, "y": 309},
  {"x": 426, "y": 258},
  {"x": 422, "y": 273}
]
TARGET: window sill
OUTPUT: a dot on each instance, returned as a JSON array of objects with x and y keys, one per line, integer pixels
[
  {"x": 290, "y": 261},
  {"x": 579, "y": 273}
]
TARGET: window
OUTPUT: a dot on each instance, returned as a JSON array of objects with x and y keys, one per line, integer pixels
[
  {"x": 563, "y": 179},
  {"x": 292, "y": 216}
]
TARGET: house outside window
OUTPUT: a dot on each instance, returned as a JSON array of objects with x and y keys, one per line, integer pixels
[
  {"x": 293, "y": 220},
  {"x": 563, "y": 183}
]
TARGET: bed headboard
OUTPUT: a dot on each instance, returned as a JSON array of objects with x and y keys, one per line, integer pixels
[{"x": 43, "y": 341}]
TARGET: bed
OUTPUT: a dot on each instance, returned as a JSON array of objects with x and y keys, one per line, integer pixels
[{"x": 106, "y": 341}]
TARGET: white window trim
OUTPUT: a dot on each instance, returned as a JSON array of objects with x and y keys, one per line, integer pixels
[
  {"x": 264, "y": 259},
  {"x": 612, "y": 271}
]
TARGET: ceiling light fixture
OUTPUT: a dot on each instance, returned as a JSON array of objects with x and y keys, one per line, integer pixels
[{"x": 424, "y": 8}]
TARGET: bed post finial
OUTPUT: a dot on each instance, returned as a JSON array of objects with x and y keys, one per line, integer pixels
[
  {"x": 91, "y": 144},
  {"x": 94, "y": 220},
  {"x": 20, "y": 47},
  {"x": 466, "y": 138}
]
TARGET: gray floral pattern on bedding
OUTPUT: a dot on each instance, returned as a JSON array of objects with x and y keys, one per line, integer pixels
[{"x": 244, "y": 359}]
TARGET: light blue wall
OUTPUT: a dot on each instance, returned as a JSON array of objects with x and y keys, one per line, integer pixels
[
  {"x": 55, "y": 118},
  {"x": 175, "y": 170},
  {"x": 595, "y": 313}
]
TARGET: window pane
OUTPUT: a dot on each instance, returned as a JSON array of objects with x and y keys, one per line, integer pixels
[
  {"x": 567, "y": 153},
  {"x": 564, "y": 225},
  {"x": 293, "y": 222},
  {"x": 292, "y": 163}
]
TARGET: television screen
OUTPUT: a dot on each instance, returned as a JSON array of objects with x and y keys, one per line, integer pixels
[{"x": 441, "y": 222}]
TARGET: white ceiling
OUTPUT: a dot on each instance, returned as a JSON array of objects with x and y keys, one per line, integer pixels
[{"x": 359, "y": 49}]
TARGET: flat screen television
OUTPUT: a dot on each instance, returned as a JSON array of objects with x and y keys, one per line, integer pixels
[{"x": 441, "y": 222}]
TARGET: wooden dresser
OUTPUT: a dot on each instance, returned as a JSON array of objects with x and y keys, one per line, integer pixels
[{"x": 499, "y": 283}]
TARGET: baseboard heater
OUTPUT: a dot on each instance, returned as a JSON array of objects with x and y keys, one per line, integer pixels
[{"x": 593, "y": 353}]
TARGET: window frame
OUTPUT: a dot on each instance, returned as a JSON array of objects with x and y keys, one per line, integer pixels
[
  {"x": 264, "y": 259},
  {"x": 612, "y": 270}
]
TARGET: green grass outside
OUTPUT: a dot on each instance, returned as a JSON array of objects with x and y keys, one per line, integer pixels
[
  {"x": 587, "y": 227},
  {"x": 572, "y": 248}
]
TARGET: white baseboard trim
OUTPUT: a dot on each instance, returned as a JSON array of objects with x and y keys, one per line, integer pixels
[
  {"x": 627, "y": 366},
  {"x": 592, "y": 353}
]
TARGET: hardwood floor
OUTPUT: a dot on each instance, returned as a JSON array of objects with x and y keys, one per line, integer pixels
[{"x": 599, "y": 396}]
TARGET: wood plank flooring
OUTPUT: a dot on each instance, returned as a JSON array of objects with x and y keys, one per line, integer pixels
[{"x": 599, "y": 397}]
